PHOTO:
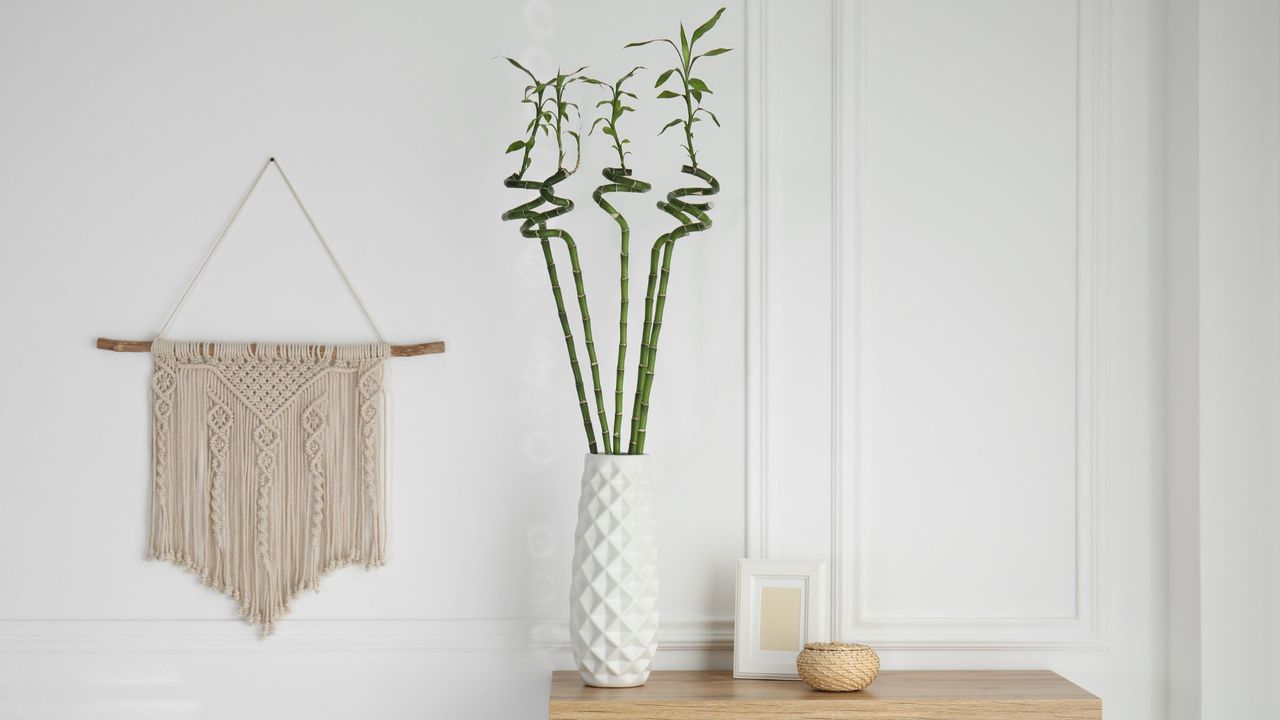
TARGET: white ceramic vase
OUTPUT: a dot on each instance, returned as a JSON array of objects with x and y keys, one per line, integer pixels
[{"x": 613, "y": 598}]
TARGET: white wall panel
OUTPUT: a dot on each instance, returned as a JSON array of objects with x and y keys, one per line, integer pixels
[
  {"x": 992, "y": 498},
  {"x": 791, "y": 288},
  {"x": 971, "y": 248},
  {"x": 968, "y": 320}
]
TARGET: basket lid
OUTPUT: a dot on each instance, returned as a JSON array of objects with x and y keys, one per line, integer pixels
[{"x": 836, "y": 647}]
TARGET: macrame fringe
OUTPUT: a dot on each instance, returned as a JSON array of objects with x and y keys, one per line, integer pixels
[{"x": 267, "y": 464}]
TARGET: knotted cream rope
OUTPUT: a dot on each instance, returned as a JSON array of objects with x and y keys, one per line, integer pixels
[{"x": 267, "y": 458}]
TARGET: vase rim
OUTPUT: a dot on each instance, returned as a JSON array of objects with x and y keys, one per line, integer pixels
[{"x": 593, "y": 460}]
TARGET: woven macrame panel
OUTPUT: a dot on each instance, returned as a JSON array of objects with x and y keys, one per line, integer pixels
[{"x": 267, "y": 466}]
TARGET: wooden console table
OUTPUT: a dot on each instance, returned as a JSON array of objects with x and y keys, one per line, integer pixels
[{"x": 916, "y": 694}]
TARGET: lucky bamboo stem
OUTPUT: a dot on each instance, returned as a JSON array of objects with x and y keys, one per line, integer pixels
[
  {"x": 692, "y": 217},
  {"x": 533, "y": 226},
  {"x": 680, "y": 209},
  {"x": 562, "y": 206},
  {"x": 620, "y": 181},
  {"x": 569, "y": 344},
  {"x": 655, "y": 258},
  {"x": 650, "y": 349}
]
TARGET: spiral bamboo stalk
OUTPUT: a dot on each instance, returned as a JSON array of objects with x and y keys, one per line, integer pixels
[
  {"x": 655, "y": 261},
  {"x": 550, "y": 113},
  {"x": 682, "y": 210},
  {"x": 561, "y": 206},
  {"x": 693, "y": 217},
  {"x": 533, "y": 226},
  {"x": 620, "y": 181}
]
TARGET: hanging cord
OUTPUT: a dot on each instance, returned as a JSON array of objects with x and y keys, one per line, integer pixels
[{"x": 182, "y": 299}]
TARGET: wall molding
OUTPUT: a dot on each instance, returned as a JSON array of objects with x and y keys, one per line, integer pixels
[
  {"x": 677, "y": 634},
  {"x": 848, "y": 67},
  {"x": 757, "y": 281},
  {"x": 848, "y": 21}
]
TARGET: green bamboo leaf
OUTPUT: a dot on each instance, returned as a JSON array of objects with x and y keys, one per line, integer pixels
[
  {"x": 670, "y": 125},
  {"x": 706, "y": 26},
  {"x": 714, "y": 119},
  {"x": 626, "y": 77},
  {"x": 594, "y": 124},
  {"x": 525, "y": 69},
  {"x": 697, "y": 84},
  {"x": 713, "y": 53},
  {"x": 668, "y": 94},
  {"x": 646, "y": 42},
  {"x": 664, "y": 77},
  {"x": 517, "y": 145},
  {"x": 697, "y": 94},
  {"x": 608, "y": 130},
  {"x": 684, "y": 44}
]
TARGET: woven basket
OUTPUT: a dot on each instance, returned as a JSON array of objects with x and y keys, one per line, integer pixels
[{"x": 837, "y": 667}]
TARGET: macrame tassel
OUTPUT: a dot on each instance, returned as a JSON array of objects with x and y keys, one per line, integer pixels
[{"x": 267, "y": 466}]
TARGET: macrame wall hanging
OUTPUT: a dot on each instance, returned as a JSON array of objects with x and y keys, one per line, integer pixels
[{"x": 267, "y": 464}]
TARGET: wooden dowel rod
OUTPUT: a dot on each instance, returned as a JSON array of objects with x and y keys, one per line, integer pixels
[{"x": 427, "y": 348}]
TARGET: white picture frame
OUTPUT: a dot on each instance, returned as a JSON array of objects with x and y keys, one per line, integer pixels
[{"x": 781, "y": 605}]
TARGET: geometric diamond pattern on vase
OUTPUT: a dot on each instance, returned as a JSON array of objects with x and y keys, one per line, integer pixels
[{"x": 613, "y": 597}]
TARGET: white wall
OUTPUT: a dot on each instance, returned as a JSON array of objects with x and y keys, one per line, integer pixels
[
  {"x": 935, "y": 338},
  {"x": 1239, "y": 357},
  {"x": 1222, "y": 287},
  {"x": 130, "y": 131},
  {"x": 1180, "y": 217}
]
